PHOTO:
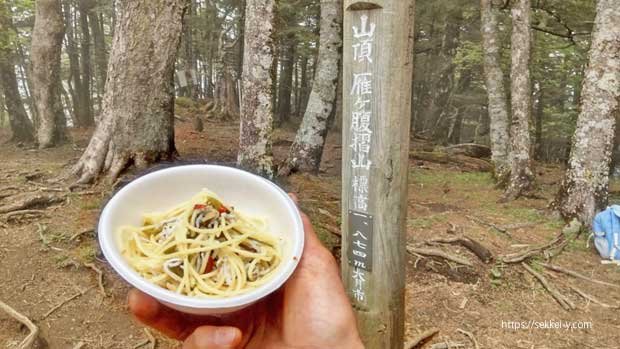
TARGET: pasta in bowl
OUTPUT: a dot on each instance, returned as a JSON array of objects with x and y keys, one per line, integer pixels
[
  {"x": 198, "y": 250},
  {"x": 203, "y": 248}
]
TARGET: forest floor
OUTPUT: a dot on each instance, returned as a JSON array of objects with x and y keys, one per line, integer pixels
[{"x": 43, "y": 273}]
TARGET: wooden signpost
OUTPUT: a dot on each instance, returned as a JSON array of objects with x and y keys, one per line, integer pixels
[{"x": 378, "y": 63}]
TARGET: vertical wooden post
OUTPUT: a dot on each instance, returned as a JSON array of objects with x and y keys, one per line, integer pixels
[{"x": 378, "y": 63}]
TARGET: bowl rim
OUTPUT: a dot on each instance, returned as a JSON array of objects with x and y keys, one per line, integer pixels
[{"x": 112, "y": 253}]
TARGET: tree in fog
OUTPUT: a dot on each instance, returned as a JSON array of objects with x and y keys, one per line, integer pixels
[
  {"x": 494, "y": 82},
  {"x": 521, "y": 176},
  {"x": 45, "y": 51},
  {"x": 307, "y": 149}
]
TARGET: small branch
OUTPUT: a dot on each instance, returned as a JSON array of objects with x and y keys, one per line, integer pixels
[
  {"x": 421, "y": 339},
  {"x": 561, "y": 299},
  {"x": 93, "y": 267},
  {"x": 591, "y": 298},
  {"x": 34, "y": 330},
  {"x": 470, "y": 336},
  {"x": 79, "y": 345},
  {"x": 577, "y": 275},
  {"x": 438, "y": 253},
  {"x": 80, "y": 233},
  {"x": 58, "y": 306},
  {"x": 498, "y": 228},
  {"x": 447, "y": 345}
]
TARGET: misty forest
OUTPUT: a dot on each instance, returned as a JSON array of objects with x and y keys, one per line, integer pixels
[{"x": 512, "y": 150}]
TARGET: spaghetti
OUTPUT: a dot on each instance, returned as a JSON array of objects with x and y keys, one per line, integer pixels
[{"x": 202, "y": 248}]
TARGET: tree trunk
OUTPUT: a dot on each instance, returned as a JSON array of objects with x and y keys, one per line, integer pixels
[
  {"x": 303, "y": 87},
  {"x": 101, "y": 54},
  {"x": 21, "y": 126},
  {"x": 521, "y": 176},
  {"x": 584, "y": 189},
  {"x": 46, "y": 46},
  {"x": 307, "y": 149},
  {"x": 256, "y": 128},
  {"x": 494, "y": 81},
  {"x": 539, "y": 124},
  {"x": 85, "y": 7},
  {"x": 137, "y": 123},
  {"x": 74, "y": 68},
  {"x": 286, "y": 80}
]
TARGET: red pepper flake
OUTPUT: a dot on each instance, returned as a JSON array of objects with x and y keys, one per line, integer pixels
[
  {"x": 210, "y": 265},
  {"x": 199, "y": 207},
  {"x": 223, "y": 209}
]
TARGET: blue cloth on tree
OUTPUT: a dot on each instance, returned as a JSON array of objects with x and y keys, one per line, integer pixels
[{"x": 606, "y": 228}]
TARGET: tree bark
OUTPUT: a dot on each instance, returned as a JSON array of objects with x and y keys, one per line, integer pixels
[
  {"x": 539, "y": 124},
  {"x": 101, "y": 54},
  {"x": 74, "y": 80},
  {"x": 47, "y": 37},
  {"x": 136, "y": 126},
  {"x": 521, "y": 176},
  {"x": 85, "y": 7},
  {"x": 286, "y": 80},
  {"x": 494, "y": 82},
  {"x": 255, "y": 153},
  {"x": 307, "y": 149},
  {"x": 584, "y": 189},
  {"x": 21, "y": 126}
]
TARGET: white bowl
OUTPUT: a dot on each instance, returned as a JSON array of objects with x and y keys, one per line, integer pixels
[{"x": 165, "y": 188}]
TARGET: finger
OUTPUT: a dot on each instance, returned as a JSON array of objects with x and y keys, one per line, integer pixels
[
  {"x": 213, "y": 337},
  {"x": 153, "y": 314},
  {"x": 294, "y": 197},
  {"x": 312, "y": 240}
]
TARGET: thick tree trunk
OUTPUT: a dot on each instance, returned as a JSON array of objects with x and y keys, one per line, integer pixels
[
  {"x": 494, "y": 81},
  {"x": 307, "y": 149},
  {"x": 286, "y": 80},
  {"x": 21, "y": 126},
  {"x": 521, "y": 176},
  {"x": 47, "y": 37},
  {"x": 137, "y": 123},
  {"x": 85, "y": 7},
  {"x": 256, "y": 128},
  {"x": 584, "y": 189}
]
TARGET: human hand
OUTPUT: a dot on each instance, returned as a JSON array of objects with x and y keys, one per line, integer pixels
[{"x": 311, "y": 311}]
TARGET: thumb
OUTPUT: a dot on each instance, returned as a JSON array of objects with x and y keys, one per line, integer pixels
[{"x": 212, "y": 337}]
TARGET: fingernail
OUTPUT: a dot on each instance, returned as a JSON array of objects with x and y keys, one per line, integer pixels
[{"x": 224, "y": 336}]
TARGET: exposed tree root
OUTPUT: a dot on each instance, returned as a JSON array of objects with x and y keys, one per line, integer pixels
[
  {"x": 566, "y": 303},
  {"x": 592, "y": 298},
  {"x": 474, "y": 246},
  {"x": 421, "y": 339},
  {"x": 30, "y": 340},
  {"x": 471, "y": 337},
  {"x": 549, "y": 250},
  {"x": 577, "y": 275},
  {"x": 30, "y": 200},
  {"x": 438, "y": 253},
  {"x": 488, "y": 224}
]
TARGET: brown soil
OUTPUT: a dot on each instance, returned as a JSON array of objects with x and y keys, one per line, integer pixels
[{"x": 38, "y": 273}]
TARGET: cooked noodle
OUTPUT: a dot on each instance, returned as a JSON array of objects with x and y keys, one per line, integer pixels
[{"x": 202, "y": 248}]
